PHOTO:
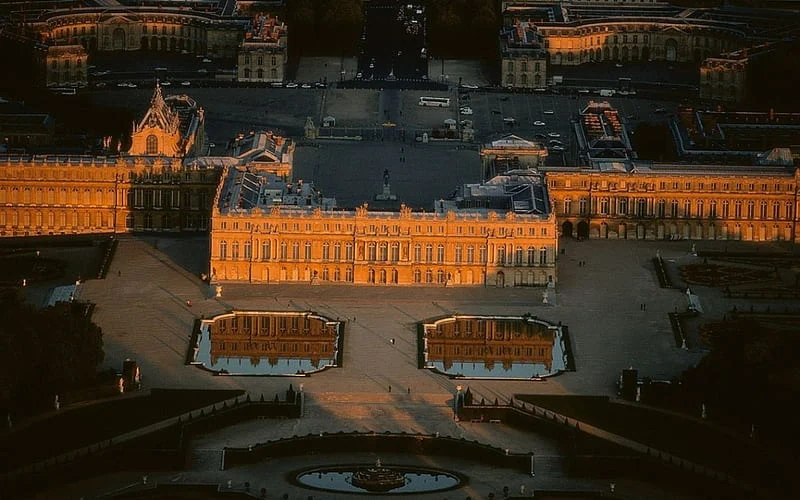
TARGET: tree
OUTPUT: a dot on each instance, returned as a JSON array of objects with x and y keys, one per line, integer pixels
[
  {"x": 341, "y": 23},
  {"x": 44, "y": 352}
]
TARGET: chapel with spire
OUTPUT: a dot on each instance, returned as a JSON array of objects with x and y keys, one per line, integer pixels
[{"x": 173, "y": 126}]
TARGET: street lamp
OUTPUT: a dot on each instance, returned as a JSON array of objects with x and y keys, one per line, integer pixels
[{"x": 455, "y": 403}]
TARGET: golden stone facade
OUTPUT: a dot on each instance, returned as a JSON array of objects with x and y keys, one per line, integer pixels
[
  {"x": 643, "y": 39},
  {"x": 361, "y": 247},
  {"x": 678, "y": 202},
  {"x": 306, "y": 244},
  {"x": 142, "y": 28},
  {"x": 42, "y": 195}
]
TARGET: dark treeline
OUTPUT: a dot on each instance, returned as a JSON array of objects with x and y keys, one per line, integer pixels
[
  {"x": 44, "y": 352},
  {"x": 456, "y": 28},
  {"x": 324, "y": 27}
]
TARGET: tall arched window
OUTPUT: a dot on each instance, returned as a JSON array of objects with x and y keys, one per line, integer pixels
[
  {"x": 223, "y": 250},
  {"x": 152, "y": 145}
]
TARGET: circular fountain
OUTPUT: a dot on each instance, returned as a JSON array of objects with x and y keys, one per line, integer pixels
[{"x": 378, "y": 478}]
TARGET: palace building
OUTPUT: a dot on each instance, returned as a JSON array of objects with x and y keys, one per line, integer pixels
[
  {"x": 523, "y": 59},
  {"x": 124, "y": 27},
  {"x": 589, "y": 31},
  {"x": 500, "y": 233},
  {"x": 645, "y": 200},
  {"x": 158, "y": 185},
  {"x": 263, "y": 54},
  {"x": 66, "y": 65}
]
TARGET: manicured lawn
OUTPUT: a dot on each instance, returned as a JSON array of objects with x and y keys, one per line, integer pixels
[
  {"x": 688, "y": 439},
  {"x": 94, "y": 423}
]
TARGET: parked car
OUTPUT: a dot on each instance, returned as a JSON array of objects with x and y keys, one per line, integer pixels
[
  {"x": 165, "y": 83},
  {"x": 539, "y": 123},
  {"x": 186, "y": 83},
  {"x": 509, "y": 120},
  {"x": 276, "y": 84},
  {"x": 291, "y": 85},
  {"x": 549, "y": 112},
  {"x": 466, "y": 110},
  {"x": 558, "y": 149},
  {"x": 469, "y": 86},
  {"x": 555, "y": 135},
  {"x": 583, "y": 91},
  {"x": 305, "y": 86}
]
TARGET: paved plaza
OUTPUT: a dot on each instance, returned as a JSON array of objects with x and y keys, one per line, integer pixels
[
  {"x": 143, "y": 310},
  {"x": 353, "y": 172},
  {"x": 142, "y": 307}
]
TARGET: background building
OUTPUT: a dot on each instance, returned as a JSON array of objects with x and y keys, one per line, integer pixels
[
  {"x": 124, "y": 27},
  {"x": 610, "y": 30},
  {"x": 501, "y": 233},
  {"x": 65, "y": 65},
  {"x": 262, "y": 56},
  {"x": 173, "y": 127},
  {"x": 510, "y": 153},
  {"x": 523, "y": 59}
]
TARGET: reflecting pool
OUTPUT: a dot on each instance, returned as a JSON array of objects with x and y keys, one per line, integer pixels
[
  {"x": 267, "y": 343},
  {"x": 501, "y": 347},
  {"x": 405, "y": 480}
]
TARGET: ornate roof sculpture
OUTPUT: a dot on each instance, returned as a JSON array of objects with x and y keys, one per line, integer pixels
[{"x": 159, "y": 115}]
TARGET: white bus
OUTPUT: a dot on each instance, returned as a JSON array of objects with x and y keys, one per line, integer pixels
[{"x": 436, "y": 102}]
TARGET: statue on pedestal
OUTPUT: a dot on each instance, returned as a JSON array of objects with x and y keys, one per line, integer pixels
[
  {"x": 218, "y": 291},
  {"x": 545, "y": 296}
]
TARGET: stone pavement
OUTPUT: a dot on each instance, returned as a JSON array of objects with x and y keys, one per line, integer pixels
[
  {"x": 142, "y": 308},
  {"x": 144, "y": 314}
]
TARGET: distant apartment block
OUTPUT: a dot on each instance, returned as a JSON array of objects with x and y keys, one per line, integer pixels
[{"x": 262, "y": 55}]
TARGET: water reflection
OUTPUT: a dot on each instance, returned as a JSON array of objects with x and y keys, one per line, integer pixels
[
  {"x": 267, "y": 343},
  {"x": 415, "y": 481},
  {"x": 510, "y": 347}
]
